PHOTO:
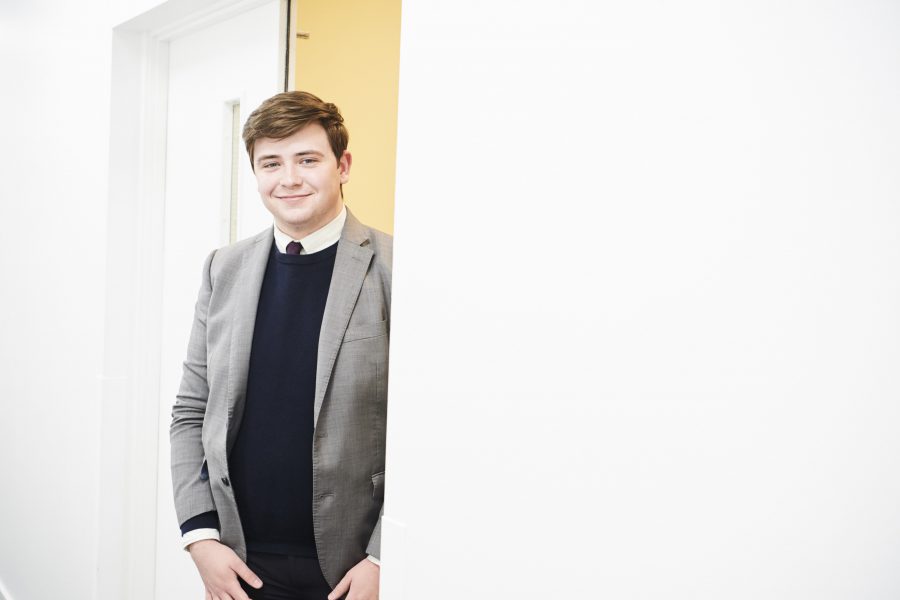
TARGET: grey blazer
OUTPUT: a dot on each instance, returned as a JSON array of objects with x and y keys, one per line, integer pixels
[{"x": 350, "y": 402}]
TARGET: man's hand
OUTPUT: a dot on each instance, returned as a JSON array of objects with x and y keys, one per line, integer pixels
[
  {"x": 360, "y": 582},
  {"x": 219, "y": 568}
]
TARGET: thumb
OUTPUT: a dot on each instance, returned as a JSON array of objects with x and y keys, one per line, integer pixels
[
  {"x": 241, "y": 568},
  {"x": 342, "y": 587}
]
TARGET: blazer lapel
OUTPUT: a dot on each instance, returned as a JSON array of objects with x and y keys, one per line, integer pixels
[
  {"x": 250, "y": 278},
  {"x": 350, "y": 267}
]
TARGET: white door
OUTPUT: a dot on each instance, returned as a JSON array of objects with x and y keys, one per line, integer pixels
[{"x": 217, "y": 75}]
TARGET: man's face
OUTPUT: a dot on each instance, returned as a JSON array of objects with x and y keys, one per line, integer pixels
[{"x": 299, "y": 179}]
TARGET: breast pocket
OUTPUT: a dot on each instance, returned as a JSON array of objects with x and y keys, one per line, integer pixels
[{"x": 365, "y": 331}]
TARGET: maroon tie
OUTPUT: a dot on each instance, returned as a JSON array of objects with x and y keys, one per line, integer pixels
[{"x": 294, "y": 248}]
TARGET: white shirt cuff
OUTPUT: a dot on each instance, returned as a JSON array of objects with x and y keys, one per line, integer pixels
[
  {"x": 374, "y": 560},
  {"x": 195, "y": 535}
]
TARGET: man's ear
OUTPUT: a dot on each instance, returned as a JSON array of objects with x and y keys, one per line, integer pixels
[{"x": 344, "y": 166}]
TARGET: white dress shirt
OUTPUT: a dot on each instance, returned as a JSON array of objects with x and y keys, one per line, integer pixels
[{"x": 318, "y": 239}]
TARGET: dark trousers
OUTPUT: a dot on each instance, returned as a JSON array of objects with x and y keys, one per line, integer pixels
[{"x": 286, "y": 578}]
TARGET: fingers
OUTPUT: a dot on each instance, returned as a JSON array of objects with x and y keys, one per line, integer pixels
[
  {"x": 247, "y": 575},
  {"x": 234, "y": 592},
  {"x": 239, "y": 594},
  {"x": 341, "y": 588}
]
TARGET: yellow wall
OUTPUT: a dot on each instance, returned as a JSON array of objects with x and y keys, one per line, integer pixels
[{"x": 352, "y": 58}]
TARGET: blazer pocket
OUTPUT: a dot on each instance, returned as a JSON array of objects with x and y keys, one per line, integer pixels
[
  {"x": 365, "y": 331},
  {"x": 378, "y": 487}
]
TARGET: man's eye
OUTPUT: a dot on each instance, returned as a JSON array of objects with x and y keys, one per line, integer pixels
[
  {"x": 308, "y": 161},
  {"x": 269, "y": 165}
]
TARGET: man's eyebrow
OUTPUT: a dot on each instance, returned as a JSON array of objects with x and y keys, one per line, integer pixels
[{"x": 266, "y": 157}]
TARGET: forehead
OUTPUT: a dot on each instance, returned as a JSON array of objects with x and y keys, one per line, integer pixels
[{"x": 312, "y": 137}]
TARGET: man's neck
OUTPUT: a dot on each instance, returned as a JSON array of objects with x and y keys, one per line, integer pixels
[{"x": 321, "y": 238}]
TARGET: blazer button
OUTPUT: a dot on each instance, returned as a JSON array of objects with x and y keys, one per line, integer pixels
[{"x": 225, "y": 482}]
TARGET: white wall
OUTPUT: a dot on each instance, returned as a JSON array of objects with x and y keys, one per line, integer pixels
[
  {"x": 75, "y": 479},
  {"x": 645, "y": 327},
  {"x": 54, "y": 65}
]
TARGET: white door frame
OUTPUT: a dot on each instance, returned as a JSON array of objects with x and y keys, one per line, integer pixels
[{"x": 126, "y": 552}]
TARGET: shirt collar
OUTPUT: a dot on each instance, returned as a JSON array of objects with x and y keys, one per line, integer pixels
[{"x": 317, "y": 240}]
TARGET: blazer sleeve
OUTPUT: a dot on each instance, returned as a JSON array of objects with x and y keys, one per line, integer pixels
[{"x": 190, "y": 482}]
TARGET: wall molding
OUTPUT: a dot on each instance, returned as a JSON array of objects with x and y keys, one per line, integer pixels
[{"x": 209, "y": 15}]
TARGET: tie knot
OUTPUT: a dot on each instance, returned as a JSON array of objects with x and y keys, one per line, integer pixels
[{"x": 294, "y": 248}]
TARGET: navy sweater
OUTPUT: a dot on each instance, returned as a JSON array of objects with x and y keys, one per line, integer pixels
[{"x": 270, "y": 465}]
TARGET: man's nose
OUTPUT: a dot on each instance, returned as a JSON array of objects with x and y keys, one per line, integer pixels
[{"x": 291, "y": 177}]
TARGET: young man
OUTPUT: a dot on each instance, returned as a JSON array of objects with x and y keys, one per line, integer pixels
[{"x": 278, "y": 429}]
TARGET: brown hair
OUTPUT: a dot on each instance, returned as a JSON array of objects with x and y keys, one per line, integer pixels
[{"x": 286, "y": 113}]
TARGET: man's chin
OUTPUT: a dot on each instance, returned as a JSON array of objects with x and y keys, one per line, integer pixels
[{"x": 300, "y": 226}]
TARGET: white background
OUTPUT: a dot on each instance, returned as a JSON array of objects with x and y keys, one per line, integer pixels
[
  {"x": 646, "y": 321},
  {"x": 54, "y": 64},
  {"x": 79, "y": 488}
]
